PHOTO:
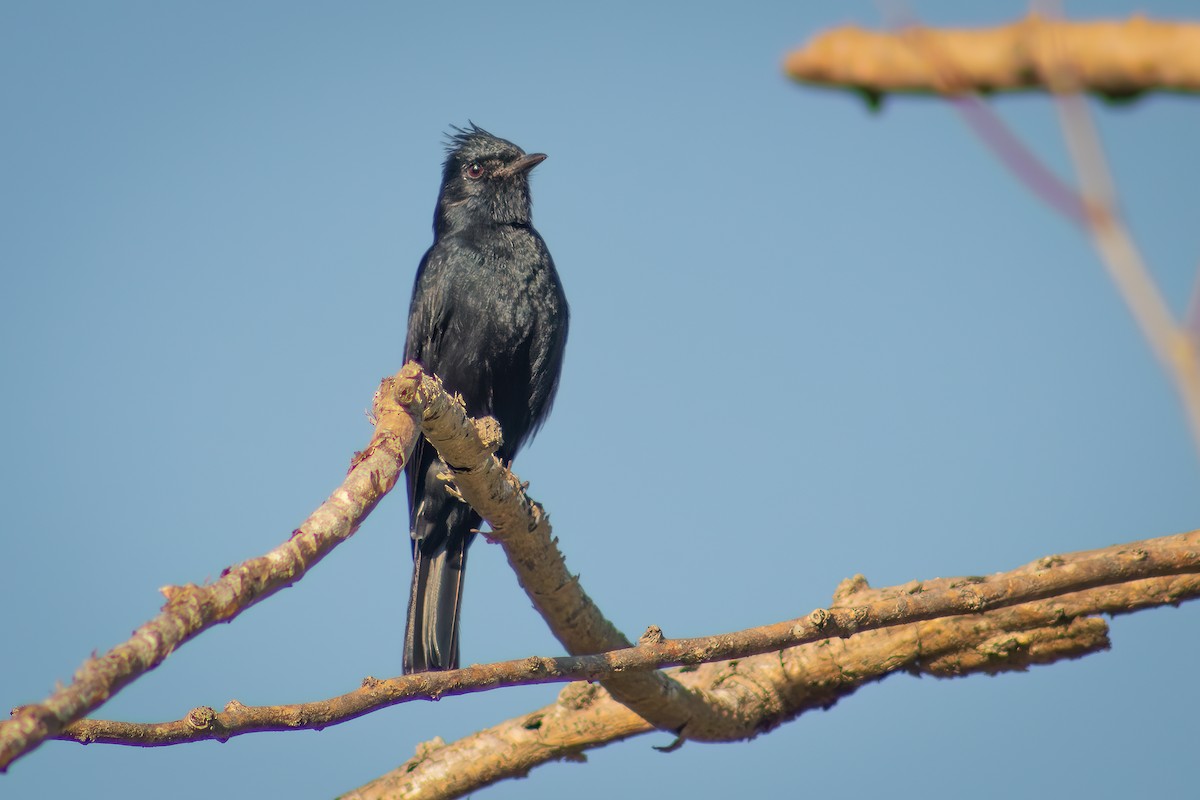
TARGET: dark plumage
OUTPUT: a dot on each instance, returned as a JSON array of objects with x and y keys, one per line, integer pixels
[{"x": 489, "y": 317}]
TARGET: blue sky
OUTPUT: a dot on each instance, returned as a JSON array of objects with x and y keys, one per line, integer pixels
[{"x": 213, "y": 213}]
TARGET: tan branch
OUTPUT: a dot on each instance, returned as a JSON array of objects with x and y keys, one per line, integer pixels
[
  {"x": 1117, "y": 59},
  {"x": 518, "y": 523},
  {"x": 192, "y": 609},
  {"x": 523, "y": 530},
  {"x": 856, "y": 607},
  {"x": 777, "y": 687}
]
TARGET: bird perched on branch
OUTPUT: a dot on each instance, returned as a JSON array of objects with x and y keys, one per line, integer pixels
[{"x": 489, "y": 317}]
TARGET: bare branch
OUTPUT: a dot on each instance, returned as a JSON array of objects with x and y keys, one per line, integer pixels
[
  {"x": 192, "y": 609},
  {"x": 523, "y": 529},
  {"x": 1118, "y": 60},
  {"x": 1125, "y": 571},
  {"x": 518, "y": 523},
  {"x": 777, "y": 687}
]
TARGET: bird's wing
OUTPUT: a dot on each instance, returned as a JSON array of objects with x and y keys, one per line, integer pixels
[
  {"x": 549, "y": 343},
  {"x": 426, "y": 309},
  {"x": 425, "y": 327}
]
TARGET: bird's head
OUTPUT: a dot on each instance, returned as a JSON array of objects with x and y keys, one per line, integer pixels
[{"x": 486, "y": 179}]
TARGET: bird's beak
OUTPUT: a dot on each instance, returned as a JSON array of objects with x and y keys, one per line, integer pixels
[{"x": 526, "y": 163}]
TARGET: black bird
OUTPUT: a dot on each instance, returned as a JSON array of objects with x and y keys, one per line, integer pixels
[{"x": 489, "y": 317}]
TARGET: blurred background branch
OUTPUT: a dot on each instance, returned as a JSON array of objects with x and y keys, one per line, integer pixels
[{"x": 1118, "y": 60}]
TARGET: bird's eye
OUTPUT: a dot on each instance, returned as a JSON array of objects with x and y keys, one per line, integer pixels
[{"x": 475, "y": 170}]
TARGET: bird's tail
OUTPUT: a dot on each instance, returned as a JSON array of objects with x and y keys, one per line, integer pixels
[{"x": 431, "y": 637}]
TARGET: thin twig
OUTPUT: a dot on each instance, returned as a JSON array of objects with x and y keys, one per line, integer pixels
[{"x": 1168, "y": 339}]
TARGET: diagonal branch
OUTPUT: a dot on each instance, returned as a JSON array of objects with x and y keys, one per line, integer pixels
[
  {"x": 523, "y": 529},
  {"x": 1118, "y": 60},
  {"x": 193, "y": 609}
]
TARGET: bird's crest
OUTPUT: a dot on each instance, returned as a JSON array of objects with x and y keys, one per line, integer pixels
[{"x": 458, "y": 138}]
